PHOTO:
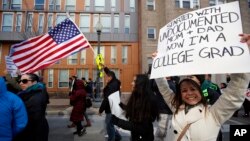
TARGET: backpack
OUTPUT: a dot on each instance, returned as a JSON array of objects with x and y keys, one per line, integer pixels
[{"x": 88, "y": 103}]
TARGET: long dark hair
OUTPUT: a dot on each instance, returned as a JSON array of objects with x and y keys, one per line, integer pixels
[
  {"x": 142, "y": 105},
  {"x": 177, "y": 100}
]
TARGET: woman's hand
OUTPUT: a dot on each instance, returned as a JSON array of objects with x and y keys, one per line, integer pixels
[
  {"x": 245, "y": 38},
  {"x": 154, "y": 54}
]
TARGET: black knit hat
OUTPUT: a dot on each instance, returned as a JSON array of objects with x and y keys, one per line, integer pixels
[{"x": 201, "y": 78}]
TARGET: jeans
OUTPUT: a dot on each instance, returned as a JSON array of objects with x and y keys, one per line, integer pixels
[{"x": 112, "y": 133}]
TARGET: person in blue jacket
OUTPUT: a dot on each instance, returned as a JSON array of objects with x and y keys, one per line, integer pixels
[{"x": 13, "y": 113}]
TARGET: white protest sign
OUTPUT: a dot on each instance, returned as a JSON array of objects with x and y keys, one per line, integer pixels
[
  {"x": 11, "y": 67},
  {"x": 114, "y": 101},
  {"x": 201, "y": 42}
]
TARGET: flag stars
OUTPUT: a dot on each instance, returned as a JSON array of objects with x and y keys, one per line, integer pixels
[{"x": 64, "y": 31}]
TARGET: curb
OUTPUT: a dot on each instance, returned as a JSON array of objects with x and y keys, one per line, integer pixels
[{"x": 67, "y": 111}]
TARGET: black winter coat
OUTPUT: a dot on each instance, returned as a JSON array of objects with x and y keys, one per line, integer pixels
[{"x": 111, "y": 87}]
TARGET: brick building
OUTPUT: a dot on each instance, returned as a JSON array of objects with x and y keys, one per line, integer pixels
[{"x": 22, "y": 19}]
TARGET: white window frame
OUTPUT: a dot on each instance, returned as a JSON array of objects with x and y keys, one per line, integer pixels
[
  {"x": 150, "y": 5},
  {"x": 192, "y": 3},
  {"x": 60, "y": 20},
  {"x": 84, "y": 22},
  {"x": 50, "y": 21},
  {"x": 6, "y": 4},
  {"x": 55, "y": 4},
  {"x": 117, "y": 72},
  {"x": 149, "y": 34},
  {"x": 99, "y": 5},
  {"x": 16, "y": 5},
  {"x": 72, "y": 59},
  {"x": 70, "y": 5},
  {"x": 8, "y": 24},
  {"x": 106, "y": 23},
  {"x": 50, "y": 78},
  {"x": 87, "y": 5},
  {"x": 127, "y": 24},
  {"x": 40, "y": 22},
  {"x": 29, "y": 22},
  {"x": 64, "y": 79},
  {"x": 83, "y": 56},
  {"x": 72, "y": 16},
  {"x": 216, "y": 2},
  {"x": 116, "y": 23},
  {"x": 40, "y": 6},
  {"x": 113, "y": 5},
  {"x": 124, "y": 54},
  {"x": 132, "y": 5},
  {"x": 113, "y": 57},
  {"x": 18, "y": 25}
]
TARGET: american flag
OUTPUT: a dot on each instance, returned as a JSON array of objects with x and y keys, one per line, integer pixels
[{"x": 39, "y": 52}]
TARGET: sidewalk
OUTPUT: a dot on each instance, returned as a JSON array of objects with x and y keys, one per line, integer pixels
[{"x": 62, "y": 107}]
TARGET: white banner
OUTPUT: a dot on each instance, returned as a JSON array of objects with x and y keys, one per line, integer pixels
[
  {"x": 11, "y": 67},
  {"x": 114, "y": 101},
  {"x": 201, "y": 42}
]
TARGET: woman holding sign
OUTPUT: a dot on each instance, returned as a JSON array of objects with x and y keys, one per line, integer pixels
[{"x": 191, "y": 112}]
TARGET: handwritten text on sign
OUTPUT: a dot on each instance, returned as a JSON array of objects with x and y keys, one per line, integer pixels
[{"x": 202, "y": 41}]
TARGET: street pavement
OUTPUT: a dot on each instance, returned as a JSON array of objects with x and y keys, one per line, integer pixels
[{"x": 61, "y": 108}]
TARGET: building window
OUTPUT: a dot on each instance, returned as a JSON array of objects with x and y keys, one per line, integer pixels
[
  {"x": 87, "y": 5},
  {"x": 40, "y": 23},
  {"x": 70, "y": 5},
  {"x": 106, "y": 23},
  {"x": 50, "y": 78},
  {"x": 83, "y": 56},
  {"x": 86, "y": 73},
  {"x": 132, "y": 5},
  {"x": 6, "y": 4},
  {"x": 72, "y": 16},
  {"x": 18, "y": 22},
  {"x": 54, "y": 4},
  {"x": 16, "y": 4},
  {"x": 127, "y": 24},
  {"x": 72, "y": 59},
  {"x": 85, "y": 23},
  {"x": 101, "y": 51},
  {"x": 50, "y": 21},
  {"x": 151, "y": 5},
  {"x": 116, "y": 23},
  {"x": 7, "y": 22},
  {"x": 39, "y": 4},
  {"x": 79, "y": 73},
  {"x": 151, "y": 33},
  {"x": 113, "y": 5},
  {"x": 29, "y": 22},
  {"x": 216, "y": 2},
  {"x": 116, "y": 71},
  {"x": 196, "y": 3},
  {"x": 60, "y": 18},
  {"x": 63, "y": 78},
  {"x": 113, "y": 54},
  {"x": 125, "y": 54},
  {"x": 99, "y": 5},
  {"x": 187, "y": 3}
]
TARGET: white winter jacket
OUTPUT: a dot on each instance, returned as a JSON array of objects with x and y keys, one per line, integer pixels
[{"x": 205, "y": 122}]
